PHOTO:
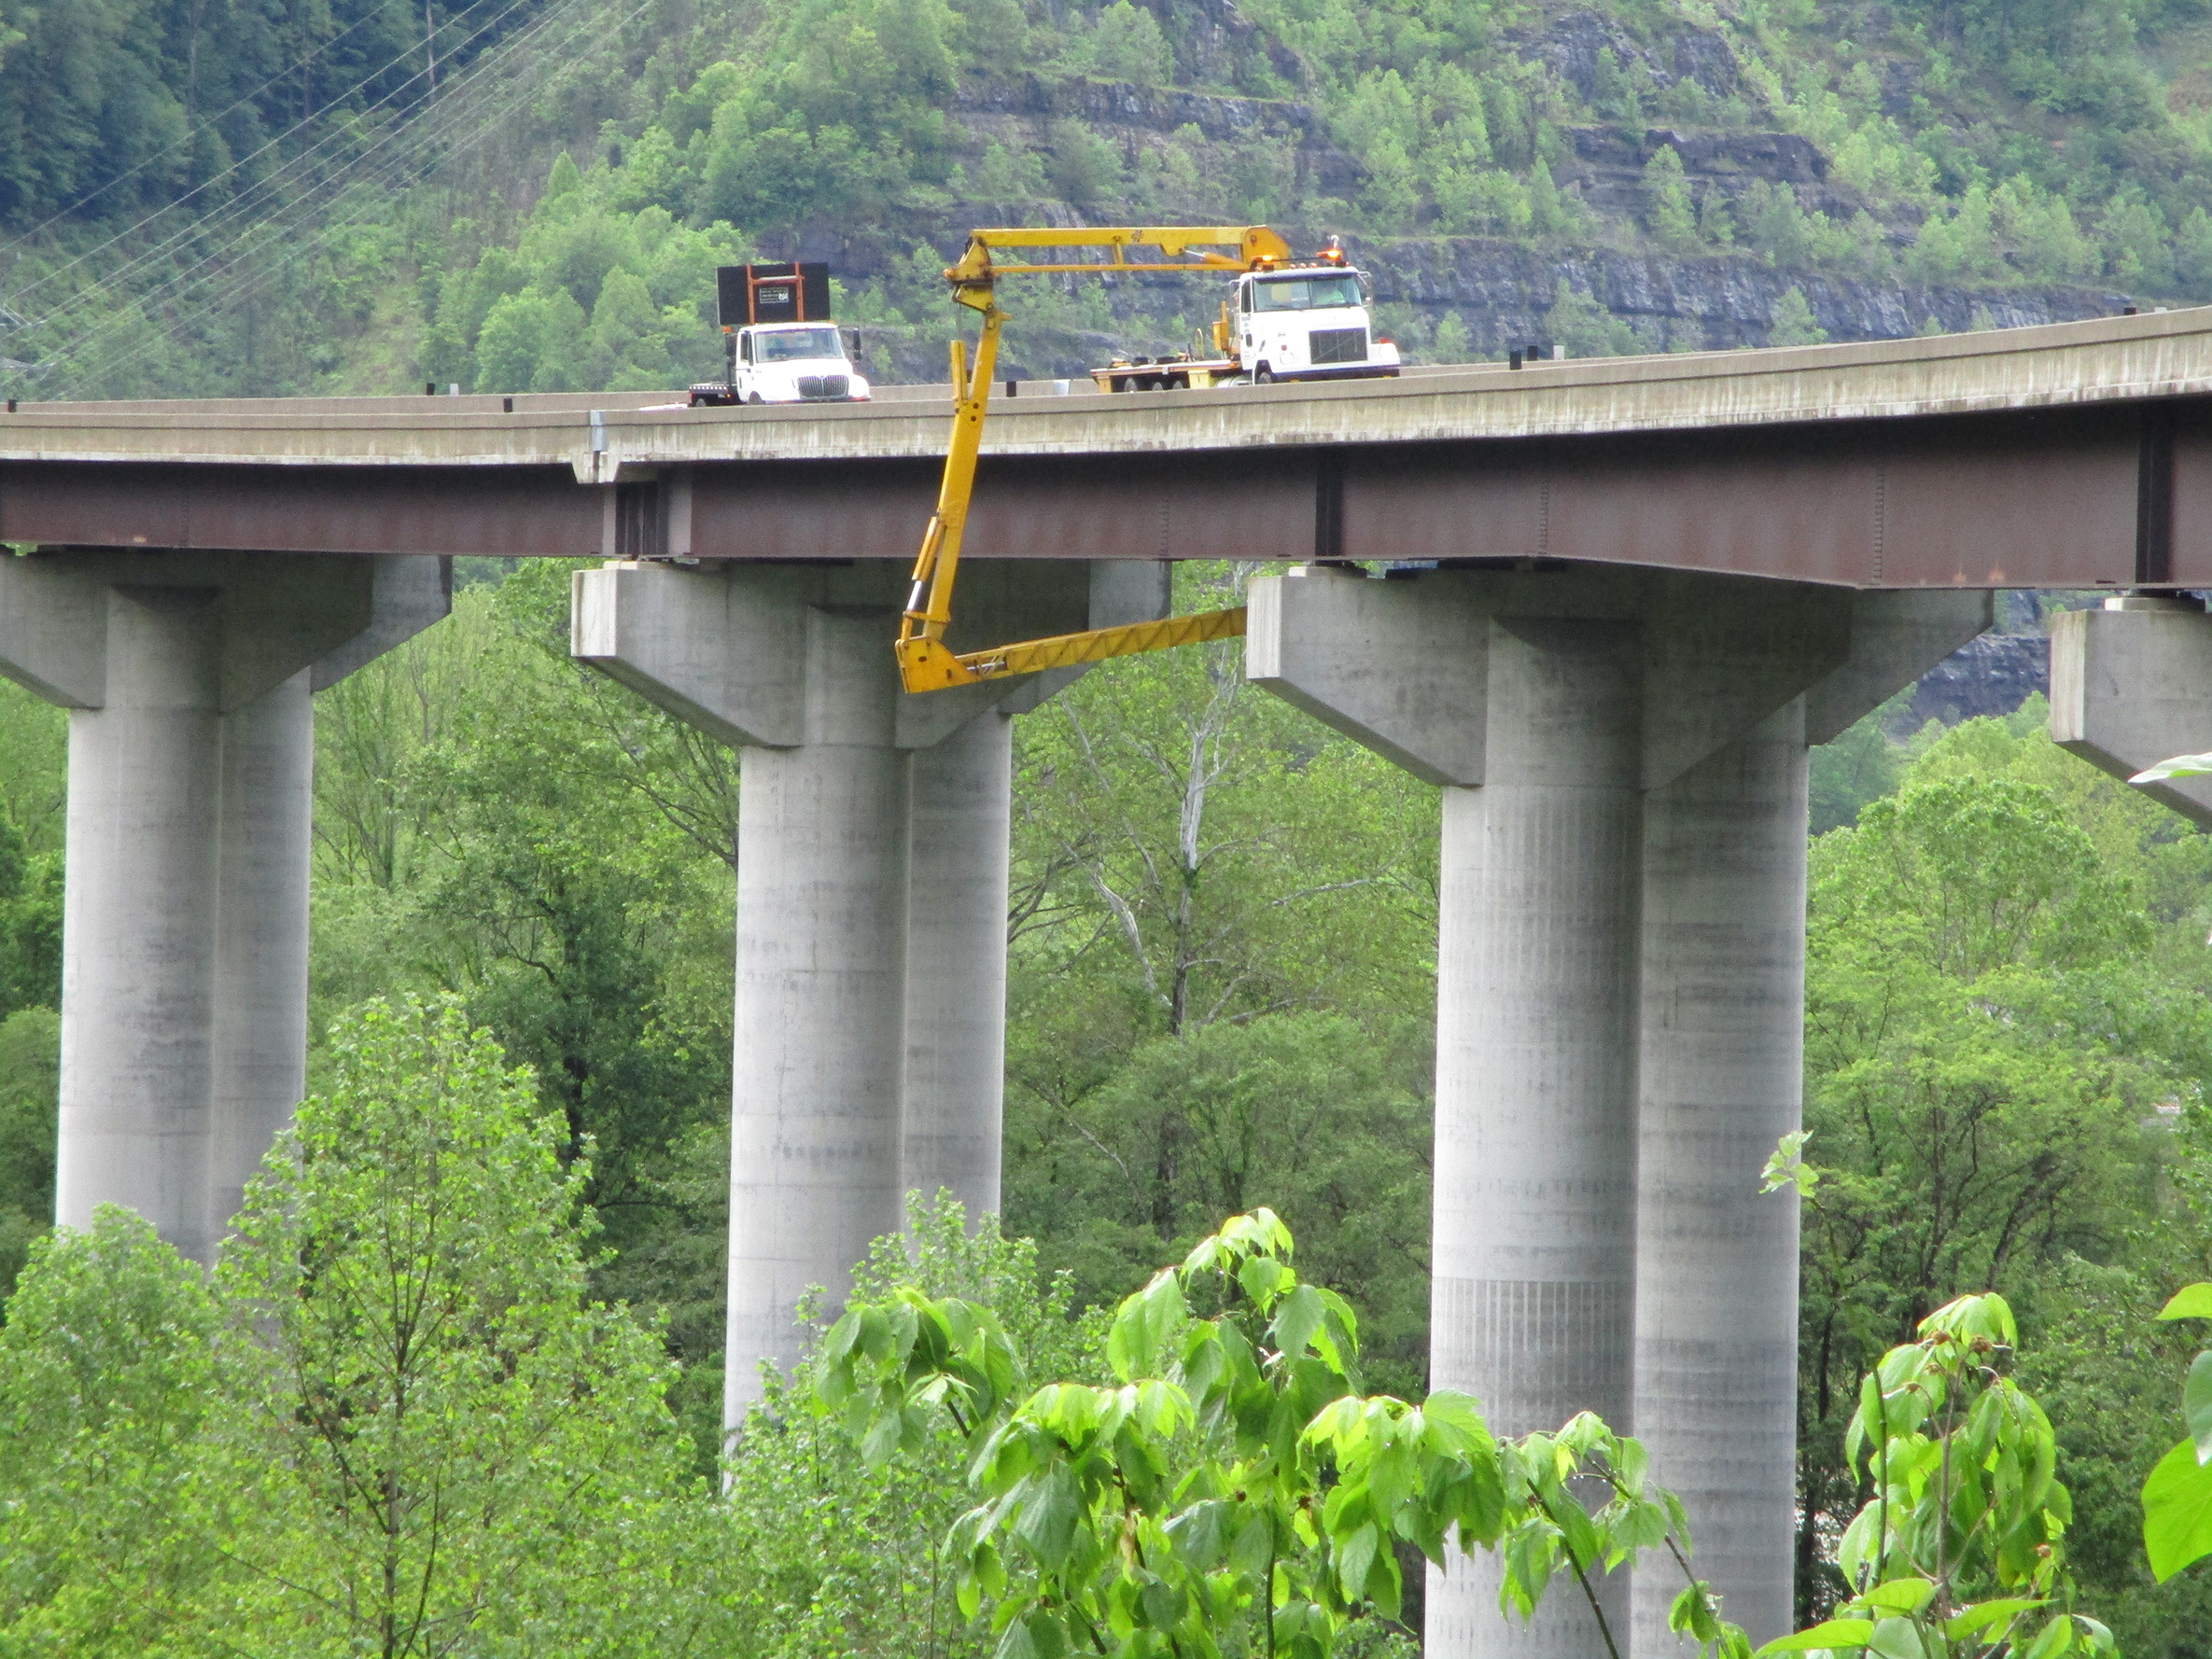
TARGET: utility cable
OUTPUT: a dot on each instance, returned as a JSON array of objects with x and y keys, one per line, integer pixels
[
  {"x": 413, "y": 138},
  {"x": 414, "y": 134},
  {"x": 266, "y": 185}
]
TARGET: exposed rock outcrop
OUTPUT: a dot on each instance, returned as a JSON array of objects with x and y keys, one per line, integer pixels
[
  {"x": 1502, "y": 291},
  {"x": 1991, "y": 676}
]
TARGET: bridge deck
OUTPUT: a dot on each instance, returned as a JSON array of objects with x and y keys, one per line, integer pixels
[{"x": 2070, "y": 455}]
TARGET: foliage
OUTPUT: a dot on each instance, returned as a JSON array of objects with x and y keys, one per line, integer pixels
[
  {"x": 2177, "y": 1496},
  {"x": 394, "y": 1425},
  {"x": 1989, "y": 1029},
  {"x": 30, "y": 1084},
  {"x": 828, "y": 1555},
  {"x": 1794, "y": 323},
  {"x": 1960, "y": 1550},
  {"x": 1231, "y": 1489},
  {"x": 107, "y": 1375}
]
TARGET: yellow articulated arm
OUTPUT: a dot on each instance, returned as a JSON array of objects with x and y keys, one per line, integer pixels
[{"x": 925, "y": 662}]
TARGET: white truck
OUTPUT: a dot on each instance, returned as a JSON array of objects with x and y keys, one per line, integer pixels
[
  {"x": 1299, "y": 322},
  {"x": 782, "y": 347},
  {"x": 794, "y": 363}
]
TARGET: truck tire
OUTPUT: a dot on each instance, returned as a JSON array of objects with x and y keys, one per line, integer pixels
[
  {"x": 1263, "y": 376},
  {"x": 754, "y": 398}
]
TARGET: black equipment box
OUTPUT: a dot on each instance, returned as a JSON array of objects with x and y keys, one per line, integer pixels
[{"x": 748, "y": 294}]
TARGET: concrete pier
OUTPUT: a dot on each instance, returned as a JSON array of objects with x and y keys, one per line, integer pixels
[
  {"x": 1535, "y": 1258},
  {"x": 821, "y": 982},
  {"x": 138, "y": 987},
  {"x": 2131, "y": 685},
  {"x": 962, "y": 809},
  {"x": 184, "y": 952},
  {"x": 1722, "y": 1064},
  {"x": 1620, "y": 968},
  {"x": 265, "y": 851},
  {"x": 870, "y": 894}
]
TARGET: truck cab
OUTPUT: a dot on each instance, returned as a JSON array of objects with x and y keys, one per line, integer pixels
[
  {"x": 1308, "y": 321},
  {"x": 795, "y": 363},
  {"x": 782, "y": 347}
]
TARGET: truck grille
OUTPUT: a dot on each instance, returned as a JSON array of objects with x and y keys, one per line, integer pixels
[
  {"x": 1337, "y": 345},
  {"x": 824, "y": 385}
]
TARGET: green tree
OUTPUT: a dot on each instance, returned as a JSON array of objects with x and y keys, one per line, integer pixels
[
  {"x": 30, "y": 1085},
  {"x": 1311, "y": 1109},
  {"x": 1983, "y": 1040},
  {"x": 1669, "y": 213},
  {"x": 1794, "y": 323},
  {"x": 827, "y": 1553},
  {"x": 1127, "y": 44},
  {"x": 461, "y": 1446},
  {"x": 1082, "y": 167},
  {"x": 111, "y": 1535},
  {"x": 1580, "y": 322}
]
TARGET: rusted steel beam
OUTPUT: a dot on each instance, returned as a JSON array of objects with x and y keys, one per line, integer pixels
[{"x": 2116, "y": 495}]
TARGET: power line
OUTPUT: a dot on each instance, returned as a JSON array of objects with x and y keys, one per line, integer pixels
[
  {"x": 334, "y": 132},
  {"x": 409, "y": 142}
]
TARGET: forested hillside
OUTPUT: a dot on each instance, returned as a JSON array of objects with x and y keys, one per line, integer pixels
[
  {"x": 366, "y": 195},
  {"x": 1224, "y": 915}
]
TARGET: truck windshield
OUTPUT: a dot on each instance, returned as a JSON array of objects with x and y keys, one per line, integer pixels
[
  {"x": 1305, "y": 293},
  {"x": 786, "y": 345}
]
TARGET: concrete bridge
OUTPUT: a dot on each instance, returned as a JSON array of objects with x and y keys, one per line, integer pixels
[{"x": 1629, "y": 593}]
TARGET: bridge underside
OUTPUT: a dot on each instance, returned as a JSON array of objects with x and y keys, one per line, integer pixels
[{"x": 2115, "y": 494}]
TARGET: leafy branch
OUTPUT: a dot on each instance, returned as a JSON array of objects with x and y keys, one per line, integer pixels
[{"x": 1235, "y": 1476}]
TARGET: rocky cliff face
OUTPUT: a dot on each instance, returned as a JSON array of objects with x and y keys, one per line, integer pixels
[{"x": 1502, "y": 291}]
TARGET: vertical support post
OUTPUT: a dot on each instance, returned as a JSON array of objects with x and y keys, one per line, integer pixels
[
  {"x": 138, "y": 921},
  {"x": 821, "y": 1016},
  {"x": 264, "y": 849},
  {"x": 1534, "y": 1229},
  {"x": 1722, "y": 1078},
  {"x": 961, "y": 821}
]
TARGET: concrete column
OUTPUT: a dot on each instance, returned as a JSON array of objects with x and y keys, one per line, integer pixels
[
  {"x": 265, "y": 846},
  {"x": 1534, "y": 1254},
  {"x": 821, "y": 955},
  {"x": 962, "y": 807},
  {"x": 870, "y": 896},
  {"x": 1620, "y": 999},
  {"x": 138, "y": 921},
  {"x": 184, "y": 1005},
  {"x": 1722, "y": 1075}
]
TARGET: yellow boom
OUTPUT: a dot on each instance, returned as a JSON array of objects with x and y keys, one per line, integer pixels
[{"x": 925, "y": 663}]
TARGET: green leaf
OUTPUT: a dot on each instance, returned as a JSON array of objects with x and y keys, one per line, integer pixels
[
  {"x": 2191, "y": 1302},
  {"x": 1900, "y": 1595},
  {"x": 1836, "y": 1633},
  {"x": 1047, "y": 1519},
  {"x": 2196, "y": 1404},
  {"x": 1355, "y": 1554},
  {"x": 1985, "y": 1614},
  {"x": 2180, "y": 766},
  {"x": 2176, "y": 1512},
  {"x": 1787, "y": 1167},
  {"x": 1896, "y": 1639},
  {"x": 2057, "y": 1636},
  {"x": 1296, "y": 1319}
]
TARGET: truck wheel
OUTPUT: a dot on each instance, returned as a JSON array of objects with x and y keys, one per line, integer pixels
[
  {"x": 1263, "y": 376},
  {"x": 1121, "y": 386},
  {"x": 754, "y": 398},
  {"x": 1179, "y": 383}
]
